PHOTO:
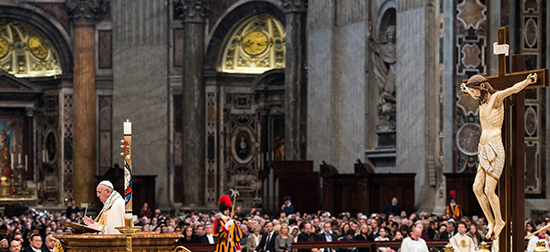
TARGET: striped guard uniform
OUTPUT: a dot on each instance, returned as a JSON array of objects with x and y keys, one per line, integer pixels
[{"x": 219, "y": 230}]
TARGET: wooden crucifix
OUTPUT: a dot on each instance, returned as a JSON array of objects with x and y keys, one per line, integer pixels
[{"x": 490, "y": 153}]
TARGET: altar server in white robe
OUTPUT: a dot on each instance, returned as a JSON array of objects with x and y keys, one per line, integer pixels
[
  {"x": 460, "y": 241},
  {"x": 112, "y": 214},
  {"x": 414, "y": 243},
  {"x": 542, "y": 235}
]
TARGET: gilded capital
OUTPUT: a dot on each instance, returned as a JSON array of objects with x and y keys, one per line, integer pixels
[
  {"x": 192, "y": 10},
  {"x": 87, "y": 11},
  {"x": 295, "y": 5}
]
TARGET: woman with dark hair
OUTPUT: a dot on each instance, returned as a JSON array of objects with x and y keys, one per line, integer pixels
[
  {"x": 529, "y": 228},
  {"x": 405, "y": 231},
  {"x": 476, "y": 235},
  {"x": 188, "y": 236},
  {"x": 383, "y": 236}
]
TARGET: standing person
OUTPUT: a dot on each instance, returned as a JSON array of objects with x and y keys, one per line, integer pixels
[
  {"x": 146, "y": 211},
  {"x": 287, "y": 207},
  {"x": 491, "y": 154},
  {"x": 72, "y": 209},
  {"x": 454, "y": 210},
  {"x": 542, "y": 235},
  {"x": 414, "y": 243},
  {"x": 112, "y": 214},
  {"x": 461, "y": 242},
  {"x": 228, "y": 232},
  {"x": 282, "y": 242},
  {"x": 393, "y": 207}
]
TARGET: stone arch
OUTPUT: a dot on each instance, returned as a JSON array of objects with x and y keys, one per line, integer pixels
[
  {"x": 215, "y": 40},
  {"x": 387, "y": 15},
  {"x": 48, "y": 24}
]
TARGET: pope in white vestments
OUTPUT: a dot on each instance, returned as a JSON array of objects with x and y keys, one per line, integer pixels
[
  {"x": 461, "y": 242},
  {"x": 112, "y": 214}
]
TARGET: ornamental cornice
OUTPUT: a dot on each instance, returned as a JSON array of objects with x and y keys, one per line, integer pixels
[
  {"x": 87, "y": 11},
  {"x": 192, "y": 11},
  {"x": 295, "y": 5}
]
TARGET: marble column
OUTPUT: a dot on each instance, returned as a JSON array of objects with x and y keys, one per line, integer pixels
[
  {"x": 296, "y": 79},
  {"x": 84, "y": 15},
  {"x": 194, "y": 13}
]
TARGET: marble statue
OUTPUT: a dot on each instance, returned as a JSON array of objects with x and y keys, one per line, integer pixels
[
  {"x": 491, "y": 153},
  {"x": 384, "y": 58}
]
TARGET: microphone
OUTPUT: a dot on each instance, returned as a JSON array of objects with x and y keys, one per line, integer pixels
[{"x": 86, "y": 211}]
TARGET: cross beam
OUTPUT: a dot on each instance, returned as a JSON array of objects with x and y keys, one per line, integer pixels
[{"x": 512, "y": 187}]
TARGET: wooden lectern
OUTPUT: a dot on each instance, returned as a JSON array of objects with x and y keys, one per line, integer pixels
[{"x": 141, "y": 242}]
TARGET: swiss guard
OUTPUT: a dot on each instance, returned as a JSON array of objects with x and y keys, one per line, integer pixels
[
  {"x": 454, "y": 209},
  {"x": 228, "y": 232}
]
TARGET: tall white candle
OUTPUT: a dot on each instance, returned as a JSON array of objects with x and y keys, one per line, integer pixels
[
  {"x": 26, "y": 162},
  {"x": 127, "y": 127},
  {"x": 19, "y": 159},
  {"x": 12, "y": 159}
]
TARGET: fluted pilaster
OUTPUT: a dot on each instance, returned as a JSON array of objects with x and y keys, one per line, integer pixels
[
  {"x": 296, "y": 79},
  {"x": 193, "y": 13}
]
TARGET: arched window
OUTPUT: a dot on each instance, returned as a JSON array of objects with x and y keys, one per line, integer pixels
[
  {"x": 25, "y": 52},
  {"x": 255, "y": 45}
]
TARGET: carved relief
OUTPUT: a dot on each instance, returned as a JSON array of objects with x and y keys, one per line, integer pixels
[
  {"x": 87, "y": 10},
  {"x": 295, "y": 5},
  {"x": 192, "y": 10}
]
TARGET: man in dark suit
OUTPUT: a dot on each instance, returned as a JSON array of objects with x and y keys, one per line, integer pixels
[
  {"x": 306, "y": 236},
  {"x": 450, "y": 232},
  {"x": 267, "y": 244},
  {"x": 35, "y": 244},
  {"x": 208, "y": 237},
  {"x": 328, "y": 236}
]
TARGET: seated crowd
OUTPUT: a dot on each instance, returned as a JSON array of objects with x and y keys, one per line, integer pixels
[{"x": 32, "y": 231}]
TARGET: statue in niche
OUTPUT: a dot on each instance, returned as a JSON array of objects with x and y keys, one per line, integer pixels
[
  {"x": 384, "y": 58},
  {"x": 491, "y": 153}
]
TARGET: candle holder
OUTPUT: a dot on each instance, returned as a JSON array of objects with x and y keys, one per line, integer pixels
[
  {"x": 128, "y": 231},
  {"x": 18, "y": 181}
]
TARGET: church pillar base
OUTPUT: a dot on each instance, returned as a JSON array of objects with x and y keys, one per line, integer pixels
[{"x": 384, "y": 155}]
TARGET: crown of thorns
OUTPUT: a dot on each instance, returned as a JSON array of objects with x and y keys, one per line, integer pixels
[{"x": 476, "y": 83}]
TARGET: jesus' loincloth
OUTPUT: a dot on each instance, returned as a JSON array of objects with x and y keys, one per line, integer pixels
[{"x": 491, "y": 157}]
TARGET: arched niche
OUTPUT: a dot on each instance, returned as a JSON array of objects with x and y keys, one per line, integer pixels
[
  {"x": 386, "y": 17},
  {"x": 25, "y": 51},
  {"x": 256, "y": 44},
  {"x": 243, "y": 8},
  {"x": 48, "y": 25}
]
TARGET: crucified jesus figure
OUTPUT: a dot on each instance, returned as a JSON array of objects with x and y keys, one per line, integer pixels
[{"x": 491, "y": 152}]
